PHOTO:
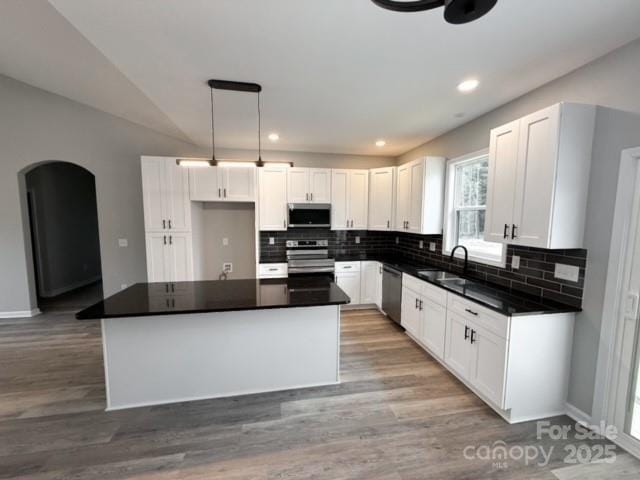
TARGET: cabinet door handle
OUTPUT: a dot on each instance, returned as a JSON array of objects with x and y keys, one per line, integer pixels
[
  {"x": 514, "y": 229},
  {"x": 219, "y": 192},
  {"x": 311, "y": 195},
  {"x": 421, "y": 303},
  {"x": 164, "y": 224},
  {"x": 388, "y": 223},
  {"x": 506, "y": 230},
  {"x": 284, "y": 223},
  {"x": 416, "y": 307},
  {"x": 170, "y": 239},
  {"x": 225, "y": 192},
  {"x": 164, "y": 239},
  {"x": 306, "y": 197},
  {"x": 169, "y": 224},
  {"x": 471, "y": 312},
  {"x": 473, "y": 337},
  {"x": 466, "y": 332}
]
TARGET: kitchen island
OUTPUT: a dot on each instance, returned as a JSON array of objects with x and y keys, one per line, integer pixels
[{"x": 174, "y": 342}]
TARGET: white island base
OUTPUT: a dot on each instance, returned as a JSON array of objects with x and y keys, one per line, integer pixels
[{"x": 151, "y": 360}]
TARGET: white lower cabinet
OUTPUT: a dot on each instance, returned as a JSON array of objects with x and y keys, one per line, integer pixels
[
  {"x": 519, "y": 365},
  {"x": 169, "y": 257},
  {"x": 369, "y": 282},
  {"x": 379, "y": 286},
  {"x": 350, "y": 283}
]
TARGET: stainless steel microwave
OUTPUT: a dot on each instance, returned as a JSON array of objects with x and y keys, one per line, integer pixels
[{"x": 309, "y": 215}]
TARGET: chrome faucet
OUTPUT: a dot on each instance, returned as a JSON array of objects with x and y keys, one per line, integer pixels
[{"x": 466, "y": 256}]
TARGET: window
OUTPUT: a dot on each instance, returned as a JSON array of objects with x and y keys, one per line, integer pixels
[{"x": 466, "y": 208}]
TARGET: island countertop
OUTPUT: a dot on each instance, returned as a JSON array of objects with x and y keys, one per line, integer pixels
[{"x": 148, "y": 299}]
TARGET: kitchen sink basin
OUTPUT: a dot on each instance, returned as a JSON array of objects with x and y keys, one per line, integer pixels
[{"x": 457, "y": 282}]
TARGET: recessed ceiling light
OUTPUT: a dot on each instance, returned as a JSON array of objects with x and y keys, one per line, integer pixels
[
  {"x": 380, "y": 143},
  {"x": 274, "y": 137},
  {"x": 468, "y": 85}
]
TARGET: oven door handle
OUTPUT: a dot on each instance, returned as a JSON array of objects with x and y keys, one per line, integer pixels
[{"x": 311, "y": 270}]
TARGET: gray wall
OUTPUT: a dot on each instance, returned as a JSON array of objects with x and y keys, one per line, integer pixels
[
  {"x": 37, "y": 126},
  {"x": 64, "y": 217},
  {"x": 611, "y": 81}
]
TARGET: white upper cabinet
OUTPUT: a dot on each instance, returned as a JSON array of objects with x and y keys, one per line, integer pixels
[
  {"x": 272, "y": 199},
  {"x": 165, "y": 190},
  {"x": 382, "y": 185},
  {"x": 309, "y": 185},
  {"x": 539, "y": 170},
  {"x": 420, "y": 196},
  {"x": 349, "y": 199},
  {"x": 222, "y": 184}
]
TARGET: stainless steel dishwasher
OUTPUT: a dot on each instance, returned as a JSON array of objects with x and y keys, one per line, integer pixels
[{"x": 392, "y": 293}]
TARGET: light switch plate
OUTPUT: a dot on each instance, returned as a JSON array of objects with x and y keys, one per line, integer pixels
[
  {"x": 567, "y": 272},
  {"x": 123, "y": 242},
  {"x": 432, "y": 246},
  {"x": 421, "y": 245},
  {"x": 225, "y": 241},
  {"x": 515, "y": 262},
  {"x": 227, "y": 267},
  {"x": 357, "y": 239},
  {"x": 272, "y": 241}
]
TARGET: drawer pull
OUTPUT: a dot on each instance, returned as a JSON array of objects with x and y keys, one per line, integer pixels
[
  {"x": 471, "y": 312},
  {"x": 273, "y": 269},
  {"x": 346, "y": 267}
]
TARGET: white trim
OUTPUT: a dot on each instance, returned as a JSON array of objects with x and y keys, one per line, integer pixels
[
  {"x": 578, "y": 415},
  {"x": 622, "y": 223},
  {"x": 448, "y": 211},
  {"x": 21, "y": 313}
]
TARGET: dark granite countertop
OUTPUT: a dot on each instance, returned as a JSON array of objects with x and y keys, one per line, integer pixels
[
  {"x": 495, "y": 297},
  {"x": 146, "y": 299}
]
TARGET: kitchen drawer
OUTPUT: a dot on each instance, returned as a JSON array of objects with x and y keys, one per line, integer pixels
[
  {"x": 412, "y": 283},
  {"x": 435, "y": 294},
  {"x": 492, "y": 321},
  {"x": 272, "y": 270},
  {"x": 347, "y": 267}
]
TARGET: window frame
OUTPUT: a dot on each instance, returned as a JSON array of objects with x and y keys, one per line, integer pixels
[{"x": 449, "y": 227}]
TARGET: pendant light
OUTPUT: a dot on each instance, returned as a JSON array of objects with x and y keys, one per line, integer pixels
[
  {"x": 259, "y": 163},
  {"x": 455, "y": 11}
]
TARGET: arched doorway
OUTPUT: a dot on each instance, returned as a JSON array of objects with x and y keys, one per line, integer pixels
[{"x": 63, "y": 220}]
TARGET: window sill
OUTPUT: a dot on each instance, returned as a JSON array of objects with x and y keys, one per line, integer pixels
[{"x": 483, "y": 260}]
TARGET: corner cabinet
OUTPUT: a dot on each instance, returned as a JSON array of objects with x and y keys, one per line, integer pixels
[
  {"x": 420, "y": 196},
  {"x": 382, "y": 190},
  {"x": 539, "y": 169},
  {"x": 167, "y": 220},
  {"x": 272, "y": 198},
  {"x": 309, "y": 185},
  {"x": 165, "y": 194},
  {"x": 349, "y": 199}
]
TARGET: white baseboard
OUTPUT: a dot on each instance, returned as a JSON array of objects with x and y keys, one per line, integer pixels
[
  {"x": 21, "y": 313},
  {"x": 578, "y": 415}
]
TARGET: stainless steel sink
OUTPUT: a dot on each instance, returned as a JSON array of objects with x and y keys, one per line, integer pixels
[
  {"x": 457, "y": 282},
  {"x": 438, "y": 276}
]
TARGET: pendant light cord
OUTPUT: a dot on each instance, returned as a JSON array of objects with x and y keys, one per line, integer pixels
[
  {"x": 213, "y": 135},
  {"x": 259, "y": 131}
]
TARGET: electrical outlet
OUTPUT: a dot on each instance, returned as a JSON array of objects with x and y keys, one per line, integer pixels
[
  {"x": 357, "y": 239},
  {"x": 272, "y": 241},
  {"x": 432, "y": 246},
  {"x": 421, "y": 245},
  {"x": 225, "y": 241},
  {"x": 567, "y": 272},
  {"x": 227, "y": 267},
  {"x": 515, "y": 262},
  {"x": 123, "y": 242}
]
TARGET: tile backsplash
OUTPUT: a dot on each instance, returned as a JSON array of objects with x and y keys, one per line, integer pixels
[{"x": 535, "y": 276}]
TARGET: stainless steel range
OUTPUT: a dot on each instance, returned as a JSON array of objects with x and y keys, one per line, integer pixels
[{"x": 309, "y": 257}]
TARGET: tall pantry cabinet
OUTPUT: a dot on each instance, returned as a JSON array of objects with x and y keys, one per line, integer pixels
[{"x": 167, "y": 220}]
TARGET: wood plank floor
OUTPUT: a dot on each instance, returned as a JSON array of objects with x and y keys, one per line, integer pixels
[{"x": 397, "y": 415}]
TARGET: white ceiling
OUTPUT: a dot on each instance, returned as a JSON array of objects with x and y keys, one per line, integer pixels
[{"x": 337, "y": 74}]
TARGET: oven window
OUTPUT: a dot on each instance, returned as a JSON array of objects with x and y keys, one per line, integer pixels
[{"x": 300, "y": 217}]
